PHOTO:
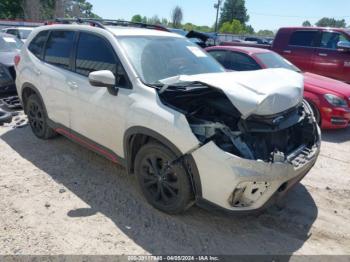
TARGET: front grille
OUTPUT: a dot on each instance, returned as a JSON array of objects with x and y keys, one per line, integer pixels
[{"x": 12, "y": 72}]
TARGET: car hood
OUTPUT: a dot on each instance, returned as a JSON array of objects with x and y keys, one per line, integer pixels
[
  {"x": 262, "y": 92},
  {"x": 327, "y": 84},
  {"x": 7, "y": 58}
]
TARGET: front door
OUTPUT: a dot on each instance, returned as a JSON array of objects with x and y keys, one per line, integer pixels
[
  {"x": 301, "y": 48},
  {"x": 98, "y": 113}
]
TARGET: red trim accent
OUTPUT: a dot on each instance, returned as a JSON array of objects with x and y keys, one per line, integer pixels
[{"x": 87, "y": 144}]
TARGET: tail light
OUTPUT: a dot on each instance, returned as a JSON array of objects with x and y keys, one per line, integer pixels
[{"x": 17, "y": 60}]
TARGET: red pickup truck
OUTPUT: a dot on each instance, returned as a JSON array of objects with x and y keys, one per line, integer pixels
[{"x": 319, "y": 50}]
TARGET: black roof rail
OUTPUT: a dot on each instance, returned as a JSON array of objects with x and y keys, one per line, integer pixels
[
  {"x": 102, "y": 23},
  {"x": 92, "y": 22}
]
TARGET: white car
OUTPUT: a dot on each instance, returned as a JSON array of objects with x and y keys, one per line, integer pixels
[
  {"x": 22, "y": 33},
  {"x": 159, "y": 105}
]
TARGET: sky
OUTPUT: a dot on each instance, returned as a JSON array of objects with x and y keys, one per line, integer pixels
[{"x": 264, "y": 14}]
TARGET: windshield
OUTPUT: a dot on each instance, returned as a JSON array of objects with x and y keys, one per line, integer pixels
[
  {"x": 273, "y": 60},
  {"x": 24, "y": 33},
  {"x": 156, "y": 58},
  {"x": 9, "y": 44}
]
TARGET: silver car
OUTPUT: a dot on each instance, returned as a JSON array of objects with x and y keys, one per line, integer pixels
[{"x": 9, "y": 48}]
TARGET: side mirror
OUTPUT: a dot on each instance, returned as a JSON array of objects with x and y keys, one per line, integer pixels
[
  {"x": 344, "y": 46},
  {"x": 103, "y": 78}
]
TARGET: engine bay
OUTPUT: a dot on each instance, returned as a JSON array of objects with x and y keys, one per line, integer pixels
[{"x": 212, "y": 117}]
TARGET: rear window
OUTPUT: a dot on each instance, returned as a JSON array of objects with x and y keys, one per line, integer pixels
[
  {"x": 59, "y": 47},
  {"x": 303, "y": 38},
  {"x": 36, "y": 46}
]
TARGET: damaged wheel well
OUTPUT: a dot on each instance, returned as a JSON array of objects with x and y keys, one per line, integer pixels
[{"x": 136, "y": 137}]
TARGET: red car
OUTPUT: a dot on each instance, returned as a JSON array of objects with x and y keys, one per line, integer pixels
[
  {"x": 330, "y": 99},
  {"x": 320, "y": 50}
]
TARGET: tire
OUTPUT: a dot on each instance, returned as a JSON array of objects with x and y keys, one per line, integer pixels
[
  {"x": 5, "y": 117},
  {"x": 38, "y": 118},
  {"x": 316, "y": 113},
  {"x": 167, "y": 189}
]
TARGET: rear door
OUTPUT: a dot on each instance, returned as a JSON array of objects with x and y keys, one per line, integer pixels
[
  {"x": 301, "y": 48},
  {"x": 57, "y": 58},
  {"x": 328, "y": 59}
]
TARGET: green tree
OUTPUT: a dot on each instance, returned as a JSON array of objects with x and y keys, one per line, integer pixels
[
  {"x": 331, "y": 22},
  {"x": 234, "y": 27},
  {"x": 177, "y": 16},
  {"x": 234, "y": 9},
  {"x": 164, "y": 22},
  {"x": 154, "y": 20},
  {"x": 10, "y": 9},
  {"x": 144, "y": 19},
  {"x": 226, "y": 28},
  {"x": 249, "y": 30},
  {"x": 136, "y": 19},
  {"x": 267, "y": 33},
  {"x": 307, "y": 23}
]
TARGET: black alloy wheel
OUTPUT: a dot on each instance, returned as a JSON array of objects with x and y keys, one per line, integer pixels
[
  {"x": 37, "y": 118},
  {"x": 166, "y": 187}
]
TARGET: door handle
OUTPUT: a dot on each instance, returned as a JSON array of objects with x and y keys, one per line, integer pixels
[
  {"x": 322, "y": 54},
  {"x": 287, "y": 51},
  {"x": 72, "y": 85}
]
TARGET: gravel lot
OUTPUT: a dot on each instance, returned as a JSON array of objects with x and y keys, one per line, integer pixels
[{"x": 59, "y": 198}]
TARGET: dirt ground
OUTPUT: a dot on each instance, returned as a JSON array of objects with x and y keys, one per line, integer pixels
[{"x": 59, "y": 198}]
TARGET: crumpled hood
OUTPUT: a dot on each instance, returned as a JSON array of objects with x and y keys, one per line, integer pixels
[{"x": 262, "y": 92}]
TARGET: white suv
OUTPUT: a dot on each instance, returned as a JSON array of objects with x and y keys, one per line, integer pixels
[{"x": 159, "y": 105}]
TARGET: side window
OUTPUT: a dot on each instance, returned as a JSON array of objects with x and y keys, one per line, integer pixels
[
  {"x": 303, "y": 38},
  {"x": 94, "y": 54},
  {"x": 221, "y": 57},
  {"x": 330, "y": 40},
  {"x": 36, "y": 46},
  {"x": 242, "y": 62},
  {"x": 59, "y": 47}
]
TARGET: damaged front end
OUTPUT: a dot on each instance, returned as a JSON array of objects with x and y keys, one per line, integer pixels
[
  {"x": 286, "y": 143},
  {"x": 274, "y": 138}
]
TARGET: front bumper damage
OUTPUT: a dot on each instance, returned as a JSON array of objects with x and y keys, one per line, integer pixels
[
  {"x": 237, "y": 184},
  {"x": 253, "y": 145}
]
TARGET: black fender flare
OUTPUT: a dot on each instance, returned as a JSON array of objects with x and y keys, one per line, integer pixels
[{"x": 191, "y": 166}]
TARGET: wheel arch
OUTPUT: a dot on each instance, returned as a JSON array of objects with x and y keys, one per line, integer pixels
[
  {"x": 137, "y": 136},
  {"x": 27, "y": 90}
]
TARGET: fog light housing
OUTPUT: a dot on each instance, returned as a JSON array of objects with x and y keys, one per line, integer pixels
[{"x": 247, "y": 193}]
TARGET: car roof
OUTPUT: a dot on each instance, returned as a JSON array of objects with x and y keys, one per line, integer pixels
[
  {"x": 310, "y": 28},
  {"x": 115, "y": 30},
  {"x": 242, "y": 49}
]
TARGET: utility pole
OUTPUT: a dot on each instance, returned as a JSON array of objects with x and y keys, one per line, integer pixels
[{"x": 217, "y": 7}]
